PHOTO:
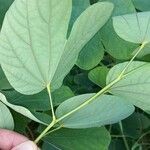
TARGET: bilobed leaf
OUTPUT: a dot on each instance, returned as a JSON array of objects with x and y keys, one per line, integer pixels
[
  {"x": 134, "y": 86},
  {"x": 104, "y": 110},
  {"x": 85, "y": 27},
  {"x": 6, "y": 119},
  {"x": 143, "y": 5},
  {"x": 19, "y": 109},
  {"x": 91, "y": 139},
  {"x": 32, "y": 40},
  {"x": 34, "y": 50}
]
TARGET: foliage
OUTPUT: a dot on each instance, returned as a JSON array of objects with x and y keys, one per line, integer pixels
[{"x": 76, "y": 72}]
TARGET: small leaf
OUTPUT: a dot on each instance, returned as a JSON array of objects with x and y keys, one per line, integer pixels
[
  {"x": 98, "y": 76},
  {"x": 91, "y": 54},
  {"x": 91, "y": 139},
  {"x": 134, "y": 86},
  {"x": 104, "y": 110},
  {"x": 20, "y": 109},
  {"x": 61, "y": 94},
  {"x": 133, "y": 27},
  {"x": 6, "y": 119}
]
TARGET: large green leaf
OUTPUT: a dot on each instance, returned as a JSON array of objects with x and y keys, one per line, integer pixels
[
  {"x": 30, "y": 35},
  {"x": 6, "y": 119},
  {"x": 89, "y": 139},
  {"x": 19, "y": 109},
  {"x": 143, "y": 5},
  {"x": 104, "y": 110},
  {"x": 114, "y": 45},
  {"x": 34, "y": 51},
  {"x": 134, "y": 86},
  {"x": 85, "y": 27}
]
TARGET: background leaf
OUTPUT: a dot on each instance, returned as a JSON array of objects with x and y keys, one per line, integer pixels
[
  {"x": 19, "y": 109},
  {"x": 143, "y": 5},
  {"x": 91, "y": 139},
  {"x": 98, "y": 75}
]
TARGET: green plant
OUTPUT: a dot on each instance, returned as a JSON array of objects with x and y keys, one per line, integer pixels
[{"x": 40, "y": 44}]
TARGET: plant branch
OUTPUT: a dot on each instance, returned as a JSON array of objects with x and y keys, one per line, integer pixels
[
  {"x": 123, "y": 136},
  {"x": 103, "y": 91},
  {"x": 44, "y": 132},
  {"x": 51, "y": 102}
]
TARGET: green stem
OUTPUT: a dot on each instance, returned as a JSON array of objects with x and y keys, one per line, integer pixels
[
  {"x": 58, "y": 128},
  {"x": 44, "y": 132},
  {"x": 136, "y": 54},
  {"x": 51, "y": 102},
  {"x": 103, "y": 91},
  {"x": 124, "y": 137}
]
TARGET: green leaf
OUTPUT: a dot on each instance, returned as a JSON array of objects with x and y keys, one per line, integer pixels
[
  {"x": 94, "y": 17},
  {"x": 4, "y": 84},
  {"x": 6, "y": 119},
  {"x": 19, "y": 109},
  {"x": 133, "y": 27},
  {"x": 91, "y": 54},
  {"x": 98, "y": 75},
  {"x": 78, "y": 6},
  {"x": 91, "y": 139},
  {"x": 104, "y": 110},
  {"x": 134, "y": 86},
  {"x": 134, "y": 125},
  {"x": 143, "y": 5},
  {"x": 31, "y": 38},
  {"x": 36, "y": 102},
  {"x": 61, "y": 94},
  {"x": 114, "y": 45}
]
